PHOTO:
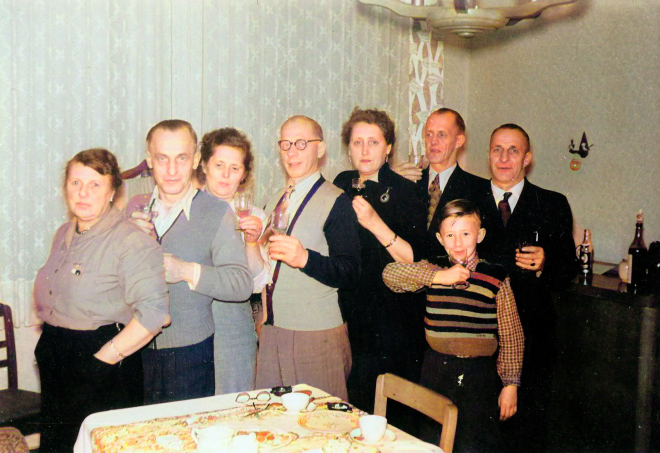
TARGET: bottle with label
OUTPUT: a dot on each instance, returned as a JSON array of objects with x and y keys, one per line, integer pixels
[
  {"x": 637, "y": 255},
  {"x": 587, "y": 255}
]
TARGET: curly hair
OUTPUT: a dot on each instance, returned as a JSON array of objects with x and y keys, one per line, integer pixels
[
  {"x": 226, "y": 136},
  {"x": 370, "y": 116},
  {"x": 103, "y": 162}
]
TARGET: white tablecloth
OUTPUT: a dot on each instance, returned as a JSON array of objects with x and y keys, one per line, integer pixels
[{"x": 213, "y": 403}]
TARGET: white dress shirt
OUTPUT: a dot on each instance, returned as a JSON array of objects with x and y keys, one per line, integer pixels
[
  {"x": 444, "y": 176},
  {"x": 498, "y": 194}
]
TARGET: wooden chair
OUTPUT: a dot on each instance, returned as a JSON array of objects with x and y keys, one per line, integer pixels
[
  {"x": 19, "y": 408},
  {"x": 426, "y": 401}
]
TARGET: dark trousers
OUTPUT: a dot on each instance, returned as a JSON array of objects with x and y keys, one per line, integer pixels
[
  {"x": 175, "y": 374},
  {"x": 74, "y": 384},
  {"x": 474, "y": 386},
  {"x": 527, "y": 431}
]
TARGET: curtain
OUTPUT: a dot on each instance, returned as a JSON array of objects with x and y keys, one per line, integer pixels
[{"x": 77, "y": 74}]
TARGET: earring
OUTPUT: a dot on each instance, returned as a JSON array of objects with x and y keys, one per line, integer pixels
[
  {"x": 112, "y": 198},
  {"x": 350, "y": 159},
  {"x": 387, "y": 157}
]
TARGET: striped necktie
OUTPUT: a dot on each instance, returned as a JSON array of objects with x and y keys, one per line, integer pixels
[{"x": 434, "y": 198}]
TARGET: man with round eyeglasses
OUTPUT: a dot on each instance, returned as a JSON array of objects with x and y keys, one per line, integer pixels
[{"x": 304, "y": 336}]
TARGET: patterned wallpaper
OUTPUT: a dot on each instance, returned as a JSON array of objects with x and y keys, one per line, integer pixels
[{"x": 425, "y": 81}]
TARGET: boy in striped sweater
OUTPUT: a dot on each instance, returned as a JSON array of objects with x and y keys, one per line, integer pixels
[{"x": 472, "y": 327}]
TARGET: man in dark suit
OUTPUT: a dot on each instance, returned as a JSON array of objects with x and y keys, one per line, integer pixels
[
  {"x": 529, "y": 231},
  {"x": 444, "y": 180}
]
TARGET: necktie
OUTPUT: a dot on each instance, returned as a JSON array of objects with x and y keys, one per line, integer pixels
[
  {"x": 505, "y": 208},
  {"x": 434, "y": 197},
  {"x": 283, "y": 204}
]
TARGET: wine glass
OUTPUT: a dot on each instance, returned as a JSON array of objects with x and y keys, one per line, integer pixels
[
  {"x": 279, "y": 222},
  {"x": 462, "y": 259},
  {"x": 147, "y": 208},
  {"x": 357, "y": 185},
  {"x": 243, "y": 203},
  {"x": 416, "y": 159},
  {"x": 527, "y": 239}
]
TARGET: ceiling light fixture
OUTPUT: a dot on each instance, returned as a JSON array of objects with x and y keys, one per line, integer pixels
[{"x": 467, "y": 18}]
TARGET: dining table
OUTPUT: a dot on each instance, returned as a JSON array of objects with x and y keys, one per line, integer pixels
[{"x": 327, "y": 425}]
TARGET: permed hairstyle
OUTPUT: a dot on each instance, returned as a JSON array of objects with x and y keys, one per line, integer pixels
[
  {"x": 101, "y": 161},
  {"x": 226, "y": 136},
  {"x": 370, "y": 116}
]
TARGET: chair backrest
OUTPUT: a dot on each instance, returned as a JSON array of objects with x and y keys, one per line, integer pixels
[
  {"x": 10, "y": 346},
  {"x": 426, "y": 401}
]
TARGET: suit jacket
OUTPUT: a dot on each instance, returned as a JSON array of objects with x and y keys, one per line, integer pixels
[
  {"x": 549, "y": 214},
  {"x": 461, "y": 184}
]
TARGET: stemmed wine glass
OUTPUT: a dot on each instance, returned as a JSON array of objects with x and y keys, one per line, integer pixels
[
  {"x": 358, "y": 186},
  {"x": 416, "y": 159},
  {"x": 243, "y": 204},
  {"x": 462, "y": 259},
  {"x": 279, "y": 222}
]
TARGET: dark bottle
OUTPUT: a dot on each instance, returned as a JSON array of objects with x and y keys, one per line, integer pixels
[
  {"x": 587, "y": 255},
  {"x": 637, "y": 254}
]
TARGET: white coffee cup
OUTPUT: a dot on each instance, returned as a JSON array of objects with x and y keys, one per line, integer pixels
[
  {"x": 213, "y": 438},
  {"x": 372, "y": 428},
  {"x": 244, "y": 443},
  {"x": 295, "y": 402}
]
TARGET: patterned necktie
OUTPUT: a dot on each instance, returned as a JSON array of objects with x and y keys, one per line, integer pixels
[
  {"x": 283, "y": 204},
  {"x": 434, "y": 197},
  {"x": 505, "y": 208}
]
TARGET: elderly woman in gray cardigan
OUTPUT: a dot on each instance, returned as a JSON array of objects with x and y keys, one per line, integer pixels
[{"x": 102, "y": 296}]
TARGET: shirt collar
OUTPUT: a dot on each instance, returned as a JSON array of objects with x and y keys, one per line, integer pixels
[
  {"x": 444, "y": 176},
  {"x": 302, "y": 187},
  {"x": 183, "y": 204},
  {"x": 498, "y": 194}
]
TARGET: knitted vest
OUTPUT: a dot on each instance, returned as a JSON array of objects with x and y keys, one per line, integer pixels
[
  {"x": 301, "y": 302},
  {"x": 192, "y": 241},
  {"x": 463, "y": 322}
]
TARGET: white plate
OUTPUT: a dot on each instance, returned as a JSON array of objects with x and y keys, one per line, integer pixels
[
  {"x": 410, "y": 446},
  {"x": 389, "y": 436}
]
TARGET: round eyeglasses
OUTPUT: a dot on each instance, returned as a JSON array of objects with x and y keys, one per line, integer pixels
[
  {"x": 300, "y": 144},
  {"x": 244, "y": 397}
]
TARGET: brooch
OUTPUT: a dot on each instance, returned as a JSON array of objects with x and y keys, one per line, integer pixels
[
  {"x": 76, "y": 269},
  {"x": 384, "y": 198}
]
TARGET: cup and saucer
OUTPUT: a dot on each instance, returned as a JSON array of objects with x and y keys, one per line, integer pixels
[{"x": 373, "y": 431}]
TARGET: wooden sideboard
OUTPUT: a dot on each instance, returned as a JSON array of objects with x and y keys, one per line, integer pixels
[{"x": 606, "y": 390}]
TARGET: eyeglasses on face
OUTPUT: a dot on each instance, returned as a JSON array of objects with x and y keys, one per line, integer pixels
[
  {"x": 300, "y": 144},
  {"x": 245, "y": 397}
]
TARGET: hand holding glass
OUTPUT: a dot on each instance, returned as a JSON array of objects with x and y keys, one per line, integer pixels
[
  {"x": 461, "y": 259},
  {"x": 279, "y": 222},
  {"x": 416, "y": 159},
  {"x": 243, "y": 203}
]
